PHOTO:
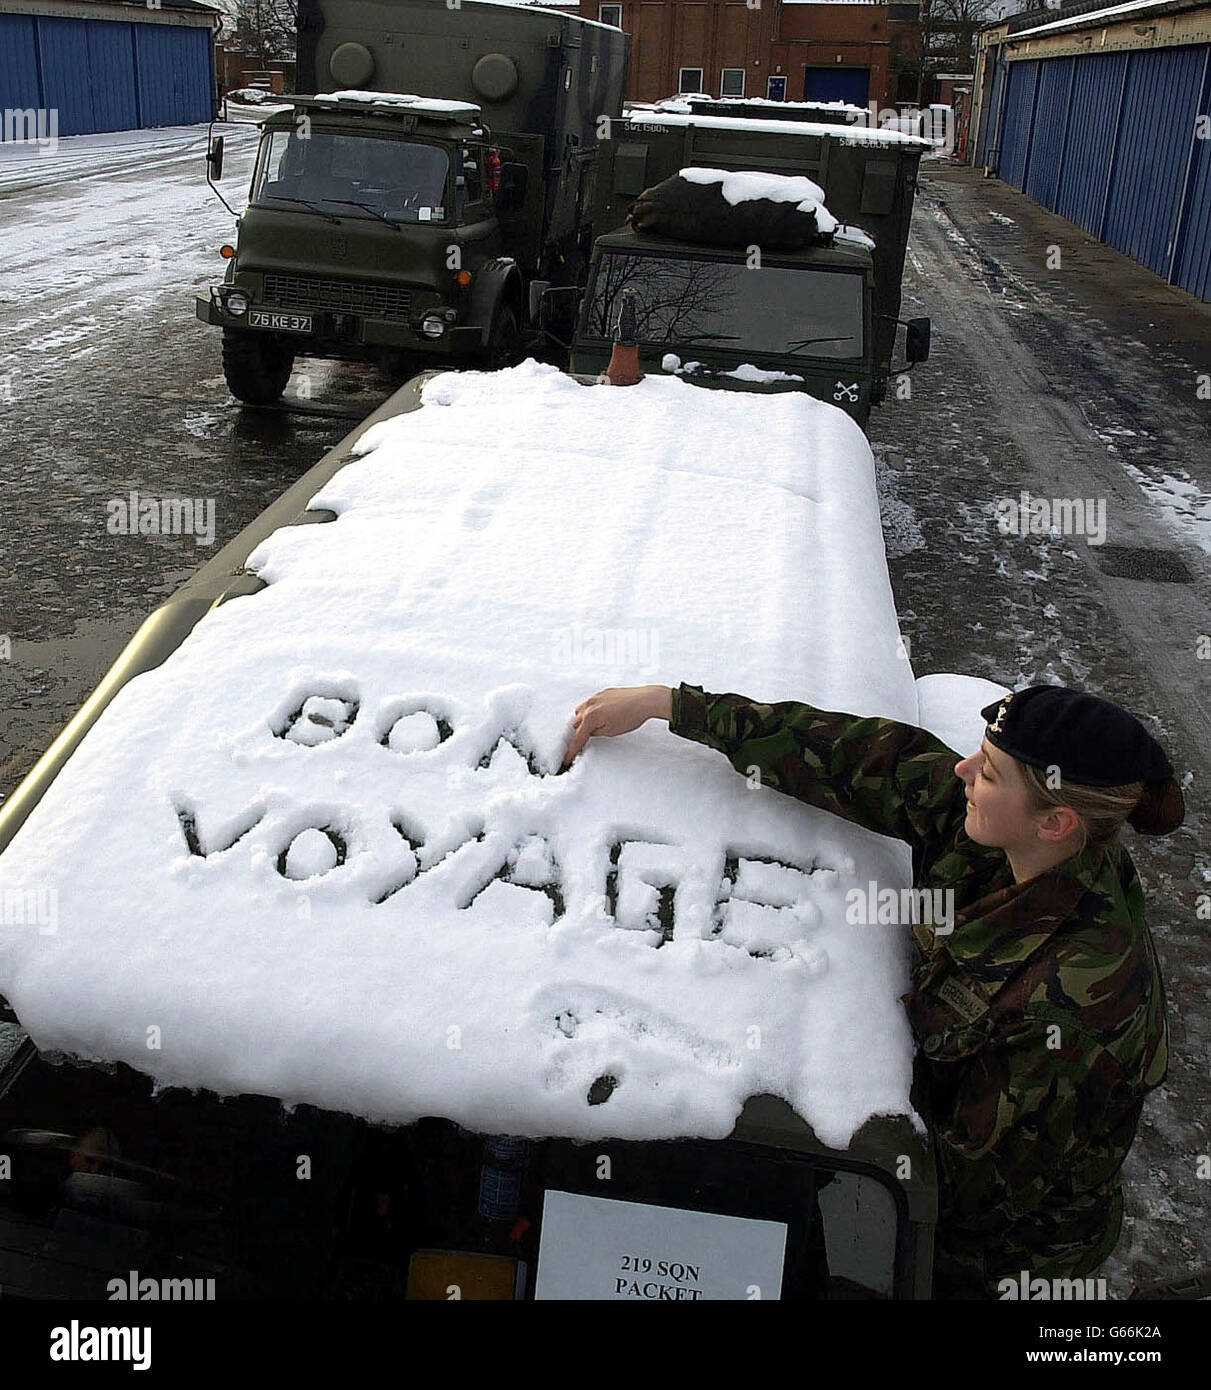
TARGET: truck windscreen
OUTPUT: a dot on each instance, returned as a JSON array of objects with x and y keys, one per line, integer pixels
[
  {"x": 777, "y": 310},
  {"x": 352, "y": 175}
]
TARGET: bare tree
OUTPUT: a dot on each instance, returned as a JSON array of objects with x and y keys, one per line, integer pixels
[
  {"x": 675, "y": 300},
  {"x": 948, "y": 34},
  {"x": 268, "y": 28}
]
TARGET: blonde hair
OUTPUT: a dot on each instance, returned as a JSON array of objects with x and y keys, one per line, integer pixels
[{"x": 1102, "y": 810}]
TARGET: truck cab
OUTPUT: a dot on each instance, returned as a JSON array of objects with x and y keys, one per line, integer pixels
[
  {"x": 120, "y": 1190},
  {"x": 802, "y": 324},
  {"x": 373, "y": 230}
]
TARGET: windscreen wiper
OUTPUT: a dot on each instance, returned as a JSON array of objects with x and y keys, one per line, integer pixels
[
  {"x": 353, "y": 203},
  {"x": 707, "y": 338},
  {"x": 303, "y": 203},
  {"x": 807, "y": 342}
]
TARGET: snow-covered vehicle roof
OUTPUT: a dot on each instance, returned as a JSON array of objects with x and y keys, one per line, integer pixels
[
  {"x": 407, "y": 101},
  {"x": 850, "y": 134},
  {"x": 324, "y": 852}
]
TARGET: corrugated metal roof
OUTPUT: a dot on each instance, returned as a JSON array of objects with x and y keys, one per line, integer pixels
[
  {"x": 1082, "y": 12},
  {"x": 193, "y": 5}
]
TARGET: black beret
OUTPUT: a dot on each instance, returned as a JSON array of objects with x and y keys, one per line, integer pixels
[{"x": 1093, "y": 743}]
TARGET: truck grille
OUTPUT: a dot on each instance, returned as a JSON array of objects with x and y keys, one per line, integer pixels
[{"x": 344, "y": 296}]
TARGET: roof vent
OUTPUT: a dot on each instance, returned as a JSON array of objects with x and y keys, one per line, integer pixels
[
  {"x": 494, "y": 77},
  {"x": 351, "y": 65}
]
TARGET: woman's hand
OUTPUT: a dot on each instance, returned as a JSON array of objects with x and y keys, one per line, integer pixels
[{"x": 618, "y": 711}]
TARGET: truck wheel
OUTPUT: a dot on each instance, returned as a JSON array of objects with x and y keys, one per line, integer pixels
[
  {"x": 504, "y": 342},
  {"x": 257, "y": 366}
]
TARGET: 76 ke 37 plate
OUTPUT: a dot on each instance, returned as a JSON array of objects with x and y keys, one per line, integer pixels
[{"x": 287, "y": 323}]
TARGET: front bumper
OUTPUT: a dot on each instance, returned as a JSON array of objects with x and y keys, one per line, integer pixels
[{"x": 345, "y": 331}]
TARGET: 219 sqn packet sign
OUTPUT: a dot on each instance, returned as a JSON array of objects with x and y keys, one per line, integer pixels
[{"x": 597, "y": 1248}]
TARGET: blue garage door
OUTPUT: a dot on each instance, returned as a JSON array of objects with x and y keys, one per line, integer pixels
[
  {"x": 176, "y": 84},
  {"x": 991, "y": 117},
  {"x": 1050, "y": 129},
  {"x": 18, "y": 64},
  {"x": 837, "y": 84},
  {"x": 1192, "y": 261},
  {"x": 88, "y": 74},
  {"x": 1160, "y": 103},
  {"x": 1093, "y": 114},
  {"x": 1019, "y": 121},
  {"x": 1111, "y": 141}
]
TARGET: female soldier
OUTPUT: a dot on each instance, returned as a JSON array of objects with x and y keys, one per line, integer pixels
[{"x": 1041, "y": 1017}]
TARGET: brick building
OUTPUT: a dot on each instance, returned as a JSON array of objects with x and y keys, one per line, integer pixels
[{"x": 790, "y": 50}]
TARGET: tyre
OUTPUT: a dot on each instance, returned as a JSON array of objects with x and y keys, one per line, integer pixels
[
  {"x": 504, "y": 341},
  {"x": 257, "y": 366}
]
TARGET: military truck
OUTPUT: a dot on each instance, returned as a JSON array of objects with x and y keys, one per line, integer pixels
[
  {"x": 115, "y": 1179},
  {"x": 822, "y": 320},
  {"x": 442, "y": 160}
]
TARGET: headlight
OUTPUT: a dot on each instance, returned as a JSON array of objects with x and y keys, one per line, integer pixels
[
  {"x": 433, "y": 325},
  {"x": 238, "y": 302}
]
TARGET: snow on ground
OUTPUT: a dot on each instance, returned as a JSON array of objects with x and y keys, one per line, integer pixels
[
  {"x": 78, "y": 157},
  {"x": 126, "y": 231},
  {"x": 322, "y": 852}
]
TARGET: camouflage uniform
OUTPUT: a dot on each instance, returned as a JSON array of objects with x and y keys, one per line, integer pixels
[{"x": 1041, "y": 1019}]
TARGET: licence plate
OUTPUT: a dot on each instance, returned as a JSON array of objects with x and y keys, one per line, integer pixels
[{"x": 286, "y": 323}]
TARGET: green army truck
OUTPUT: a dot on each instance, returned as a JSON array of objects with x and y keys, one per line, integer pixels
[
  {"x": 822, "y": 320},
  {"x": 443, "y": 161}
]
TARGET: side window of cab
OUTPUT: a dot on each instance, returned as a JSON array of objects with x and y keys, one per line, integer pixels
[{"x": 469, "y": 181}]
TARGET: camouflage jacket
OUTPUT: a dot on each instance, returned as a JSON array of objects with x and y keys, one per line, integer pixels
[{"x": 1040, "y": 1018}]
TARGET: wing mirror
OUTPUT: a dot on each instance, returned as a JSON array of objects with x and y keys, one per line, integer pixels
[
  {"x": 916, "y": 340},
  {"x": 214, "y": 158}
]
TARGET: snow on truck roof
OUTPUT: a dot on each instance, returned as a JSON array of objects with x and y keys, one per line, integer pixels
[
  {"x": 751, "y": 185},
  {"x": 683, "y": 104},
  {"x": 855, "y": 134},
  {"x": 323, "y": 853},
  {"x": 431, "y": 105}
]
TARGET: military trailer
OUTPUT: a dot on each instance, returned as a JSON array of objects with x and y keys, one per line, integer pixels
[
  {"x": 119, "y": 1184},
  {"x": 441, "y": 160},
  {"x": 822, "y": 320}
]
